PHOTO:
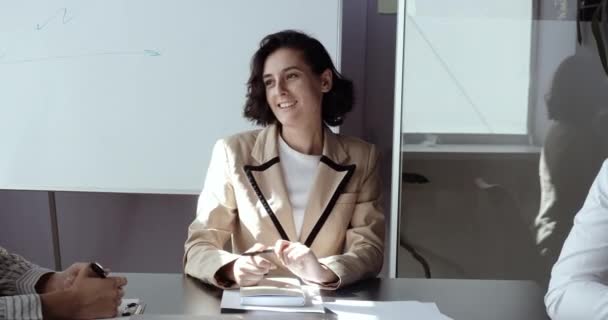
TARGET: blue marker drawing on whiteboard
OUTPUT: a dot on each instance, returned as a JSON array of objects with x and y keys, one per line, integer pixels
[
  {"x": 146, "y": 52},
  {"x": 152, "y": 53},
  {"x": 65, "y": 19}
]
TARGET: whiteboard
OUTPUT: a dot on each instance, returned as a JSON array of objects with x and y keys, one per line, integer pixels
[{"x": 129, "y": 96}]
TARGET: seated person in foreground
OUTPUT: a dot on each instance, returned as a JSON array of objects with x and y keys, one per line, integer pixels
[
  {"x": 579, "y": 281},
  {"x": 294, "y": 186},
  {"x": 30, "y": 292}
]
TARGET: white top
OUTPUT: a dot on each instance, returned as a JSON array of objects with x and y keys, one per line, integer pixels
[
  {"x": 299, "y": 171},
  {"x": 578, "y": 287}
]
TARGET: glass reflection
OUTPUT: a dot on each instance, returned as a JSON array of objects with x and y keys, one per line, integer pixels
[
  {"x": 574, "y": 149},
  {"x": 492, "y": 181}
]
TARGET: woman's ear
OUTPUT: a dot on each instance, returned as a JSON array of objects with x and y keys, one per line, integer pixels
[{"x": 326, "y": 80}]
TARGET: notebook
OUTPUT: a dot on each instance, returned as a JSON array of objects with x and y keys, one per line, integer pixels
[{"x": 274, "y": 292}]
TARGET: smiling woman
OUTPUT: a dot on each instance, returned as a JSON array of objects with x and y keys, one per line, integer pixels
[
  {"x": 312, "y": 54},
  {"x": 278, "y": 188}
]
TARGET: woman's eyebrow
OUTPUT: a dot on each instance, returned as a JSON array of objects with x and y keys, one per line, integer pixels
[
  {"x": 291, "y": 68},
  {"x": 284, "y": 70}
]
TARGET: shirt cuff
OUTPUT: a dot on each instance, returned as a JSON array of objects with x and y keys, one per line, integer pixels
[
  {"x": 26, "y": 284},
  {"x": 222, "y": 281},
  {"x": 326, "y": 285},
  {"x": 22, "y": 307}
]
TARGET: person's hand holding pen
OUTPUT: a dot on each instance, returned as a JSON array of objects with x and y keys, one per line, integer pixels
[
  {"x": 302, "y": 262},
  {"x": 60, "y": 280},
  {"x": 91, "y": 294},
  {"x": 250, "y": 267}
]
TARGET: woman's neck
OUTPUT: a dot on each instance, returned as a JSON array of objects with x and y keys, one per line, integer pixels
[{"x": 308, "y": 141}]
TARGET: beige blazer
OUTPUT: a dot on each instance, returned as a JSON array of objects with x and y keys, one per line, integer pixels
[{"x": 244, "y": 200}]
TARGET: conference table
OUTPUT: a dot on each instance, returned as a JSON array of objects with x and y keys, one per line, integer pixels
[{"x": 179, "y": 295}]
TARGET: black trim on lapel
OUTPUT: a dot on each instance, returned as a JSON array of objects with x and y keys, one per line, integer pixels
[
  {"x": 256, "y": 188},
  {"x": 332, "y": 202}
]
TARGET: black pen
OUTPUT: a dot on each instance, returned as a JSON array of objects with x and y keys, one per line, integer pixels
[
  {"x": 255, "y": 253},
  {"x": 98, "y": 269}
]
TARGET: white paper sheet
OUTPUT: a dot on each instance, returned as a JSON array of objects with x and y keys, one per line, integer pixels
[{"x": 385, "y": 310}]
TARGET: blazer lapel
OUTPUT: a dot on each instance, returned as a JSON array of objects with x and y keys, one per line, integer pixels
[
  {"x": 268, "y": 183},
  {"x": 330, "y": 181}
]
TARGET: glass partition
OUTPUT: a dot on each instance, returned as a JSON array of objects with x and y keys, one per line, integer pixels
[{"x": 498, "y": 135}]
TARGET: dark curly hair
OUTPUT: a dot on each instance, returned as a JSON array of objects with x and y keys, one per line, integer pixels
[
  {"x": 335, "y": 104},
  {"x": 578, "y": 91}
]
